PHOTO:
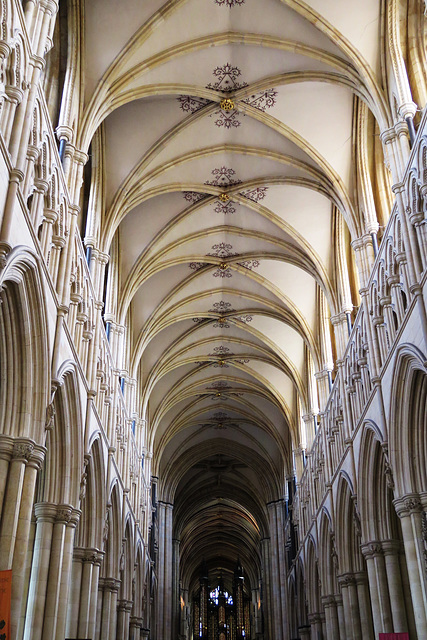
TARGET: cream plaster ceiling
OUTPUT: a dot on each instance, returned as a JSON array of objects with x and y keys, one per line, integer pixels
[{"x": 221, "y": 298}]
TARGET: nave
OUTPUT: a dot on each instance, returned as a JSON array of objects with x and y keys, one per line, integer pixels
[{"x": 213, "y": 319}]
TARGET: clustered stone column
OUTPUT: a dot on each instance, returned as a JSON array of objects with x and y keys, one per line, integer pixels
[
  {"x": 83, "y": 600},
  {"x": 124, "y": 608},
  {"x": 164, "y": 573},
  {"x": 277, "y": 559},
  {"x": 355, "y": 606},
  {"x": 409, "y": 509},
  {"x": 110, "y": 588},
  {"x": 331, "y": 616}
]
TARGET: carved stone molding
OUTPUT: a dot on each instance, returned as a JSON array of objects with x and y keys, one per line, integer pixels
[
  {"x": 372, "y": 549},
  {"x": 392, "y": 547},
  {"x": 124, "y": 605},
  {"x": 407, "y": 505},
  {"x": 91, "y": 555},
  {"x": 75, "y": 517},
  {"x": 361, "y": 578},
  {"x": 45, "y": 512},
  {"x": 315, "y": 618},
  {"x": 64, "y": 513},
  {"x": 111, "y": 584},
  {"x": 136, "y": 622},
  {"x": 22, "y": 450},
  {"x": 6, "y": 447},
  {"x": 347, "y": 579},
  {"x": 328, "y": 601}
]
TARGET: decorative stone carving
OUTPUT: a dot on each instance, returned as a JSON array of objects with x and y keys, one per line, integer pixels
[
  {"x": 334, "y": 555},
  {"x": 63, "y": 513},
  {"x": 389, "y": 476},
  {"x": 83, "y": 480},
  {"x": 106, "y": 525},
  {"x": 372, "y": 549},
  {"x": 356, "y": 521},
  {"x": 111, "y": 584},
  {"x": 22, "y": 450},
  {"x": 412, "y": 504},
  {"x": 50, "y": 417},
  {"x": 424, "y": 536},
  {"x": 347, "y": 579}
]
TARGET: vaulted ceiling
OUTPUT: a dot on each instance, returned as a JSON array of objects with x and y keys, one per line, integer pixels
[{"x": 225, "y": 223}]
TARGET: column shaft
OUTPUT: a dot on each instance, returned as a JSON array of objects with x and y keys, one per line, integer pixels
[
  {"x": 394, "y": 578},
  {"x": 65, "y": 579},
  {"x": 10, "y": 513},
  {"x": 45, "y": 515},
  {"x": 20, "y": 579},
  {"x": 54, "y": 580},
  {"x": 414, "y": 573},
  {"x": 85, "y": 593}
]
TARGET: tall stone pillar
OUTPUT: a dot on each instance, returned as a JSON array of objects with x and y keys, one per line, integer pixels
[
  {"x": 6, "y": 451},
  {"x": 113, "y": 611},
  {"x": 124, "y": 608},
  {"x": 90, "y": 559},
  {"x": 364, "y": 606},
  {"x": 109, "y": 586},
  {"x": 341, "y": 619},
  {"x": 316, "y": 620},
  {"x": 409, "y": 511},
  {"x": 21, "y": 453},
  {"x": 19, "y": 565},
  {"x": 164, "y": 571},
  {"x": 392, "y": 551},
  {"x": 305, "y": 632},
  {"x": 266, "y": 589},
  {"x": 332, "y": 627},
  {"x": 74, "y": 598},
  {"x": 175, "y": 589},
  {"x": 278, "y": 564},
  {"x": 94, "y": 594},
  {"x": 45, "y": 518},
  {"x": 63, "y": 516},
  {"x": 184, "y": 616},
  {"x": 135, "y": 628},
  {"x": 351, "y": 606},
  {"x": 378, "y": 587},
  {"x": 257, "y": 617}
]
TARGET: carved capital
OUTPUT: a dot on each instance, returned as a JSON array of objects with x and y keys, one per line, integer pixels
[
  {"x": 372, "y": 549},
  {"x": 346, "y": 579},
  {"x": 328, "y": 601},
  {"x": 111, "y": 584},
  {"x": 124, "y": 605},
  {"x": 93, "y": 556},
  {"x": 45, "y": 512},
  {"x": 392, "y": 547},
  {"x": 407, "y": 505},
  {"x": 315, "y": 618},
  {"x": 22, "y": 450},
  {"x": 64, "y": 513},
  {"x": 6, "y": 447}
]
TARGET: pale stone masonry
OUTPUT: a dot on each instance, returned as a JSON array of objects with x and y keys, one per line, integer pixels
[{"x": 213, "y": 319}]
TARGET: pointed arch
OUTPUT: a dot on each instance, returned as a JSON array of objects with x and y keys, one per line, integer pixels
[
  {"x": 112, "y": 534},
  {"x": 90, "y": 528},
  {"x": 348, "y": 528},
  {"x": 64, "y": 457},
  {"x": 408, "y": 420},
  {"x": 24, "y": 348}
]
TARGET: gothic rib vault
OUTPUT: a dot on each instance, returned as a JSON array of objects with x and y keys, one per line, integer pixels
[
  {"x": 230, "y": 232},
  {"x": 228, "y": 227},
  {"x": 201, "y": 202}
]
